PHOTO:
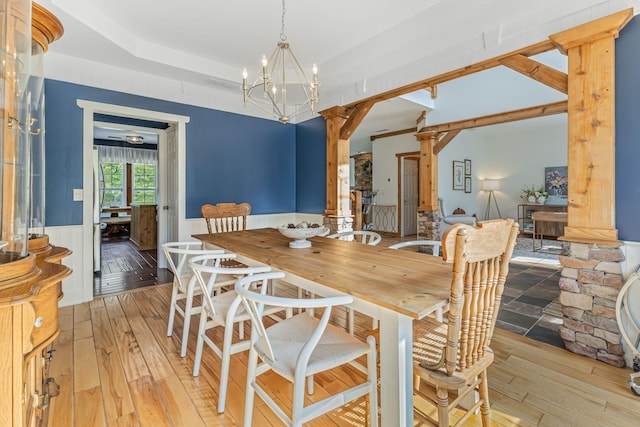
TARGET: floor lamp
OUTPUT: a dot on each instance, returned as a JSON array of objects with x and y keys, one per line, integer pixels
[{"x": 491, "y": 185}]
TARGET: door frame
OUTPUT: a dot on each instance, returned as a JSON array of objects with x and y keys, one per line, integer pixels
[
  {"x": 401, "y": 157},
  {"x": 91, "y": 107}
]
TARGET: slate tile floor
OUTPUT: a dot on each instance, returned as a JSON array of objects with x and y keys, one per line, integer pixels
[{"x": 528, "y": 305}]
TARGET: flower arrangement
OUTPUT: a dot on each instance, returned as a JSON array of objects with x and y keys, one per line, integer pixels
[{"x": 534, "y": 195}]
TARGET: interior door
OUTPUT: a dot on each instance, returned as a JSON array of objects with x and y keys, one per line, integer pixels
[
  {"x": 410, "y": 197},
  {"x": 171, "y": 174}
]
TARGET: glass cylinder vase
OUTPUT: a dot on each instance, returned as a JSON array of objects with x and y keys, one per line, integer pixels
[
  {"x": 37, "y": 164},
  {"x": 15, "y": 127}
]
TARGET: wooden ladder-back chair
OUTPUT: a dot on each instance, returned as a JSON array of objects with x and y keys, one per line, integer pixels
[
  {"x": 226, "y": 216},
  {"x": 453, "y": 357}
]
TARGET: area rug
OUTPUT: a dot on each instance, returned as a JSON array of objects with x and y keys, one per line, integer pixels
[{"x": 548, "y": 255}]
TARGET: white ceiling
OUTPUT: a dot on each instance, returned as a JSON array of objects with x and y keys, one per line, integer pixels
[
  {"x": 119, "y": 132},
  {"x": 362, "y": 47}
]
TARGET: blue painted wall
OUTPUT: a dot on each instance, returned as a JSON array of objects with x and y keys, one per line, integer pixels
[
  {"x": 311, "y": 173},
  {"x": 628, "y": 132},
  {"x": 230, "y": 157}
]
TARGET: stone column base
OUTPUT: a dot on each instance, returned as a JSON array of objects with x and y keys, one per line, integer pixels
[
  {"x": 338, "y": 224},
  {"x": 428, "y": 228},
  {"x": 590, "y": 281}
]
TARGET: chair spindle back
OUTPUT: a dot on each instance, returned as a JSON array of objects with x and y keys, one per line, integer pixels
[
  {"x": 480, "y": 259},
  {"x": 226, "y": 216}
]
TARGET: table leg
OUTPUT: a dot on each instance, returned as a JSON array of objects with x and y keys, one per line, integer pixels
[{"x": 396, "y": 370}]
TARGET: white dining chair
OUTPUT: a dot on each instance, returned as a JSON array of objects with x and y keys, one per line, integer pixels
[
  {"x": 363, "y": 236},
  {"x": 184, "y": 286},
  {"x": 299, "y": 347},
  {"x": 221, "y": 310},
  {"x": 435, "y": 245}
]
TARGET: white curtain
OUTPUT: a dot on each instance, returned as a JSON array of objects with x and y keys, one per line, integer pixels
[{"x": 127, "y": 155}]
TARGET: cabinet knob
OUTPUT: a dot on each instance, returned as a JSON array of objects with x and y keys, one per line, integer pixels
[{"x": 38, "y": 322}]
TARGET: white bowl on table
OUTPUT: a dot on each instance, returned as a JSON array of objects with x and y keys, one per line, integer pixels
[{"x": 300, "y": 235}]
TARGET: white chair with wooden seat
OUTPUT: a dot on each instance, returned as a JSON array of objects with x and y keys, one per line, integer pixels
[
  {"x": 453, "y": 357},
  {"x": 184, "y": 286},
  {"x": 298, "y": 348},
  {"x": 223, "y": 309},
  {"x": 363, "y": 236}
]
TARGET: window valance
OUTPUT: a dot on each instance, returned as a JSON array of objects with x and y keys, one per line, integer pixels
[{"x": 127, "y": 155}]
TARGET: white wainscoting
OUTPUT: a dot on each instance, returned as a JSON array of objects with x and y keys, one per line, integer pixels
[
  {"x": 70, "y": 237},
  {"x": 75, "y": 291}
]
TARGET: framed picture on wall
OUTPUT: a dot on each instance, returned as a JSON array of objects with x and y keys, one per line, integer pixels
[
  {"x": 467, "y": 167},
  {"x": 458, "y": 175},
  {"x": 556, "y": 180},
  {"x": 467, "y": 184}
]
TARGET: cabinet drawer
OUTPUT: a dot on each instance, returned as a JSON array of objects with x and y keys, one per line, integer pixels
[{"x": 45, "y": 322}]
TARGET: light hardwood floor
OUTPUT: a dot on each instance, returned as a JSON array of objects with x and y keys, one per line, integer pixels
[{"x": 116, "y": 367}]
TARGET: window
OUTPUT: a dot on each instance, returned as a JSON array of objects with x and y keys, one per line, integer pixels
[
  {"x": 113, "y": 189},
  {"x": 144, "y": 183}
]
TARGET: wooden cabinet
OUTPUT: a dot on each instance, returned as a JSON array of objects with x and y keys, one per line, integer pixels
[
  {"x": 548, "y": 229},
  {"x": 29, "y": 320},
  {"x": 144, "y": 226}
]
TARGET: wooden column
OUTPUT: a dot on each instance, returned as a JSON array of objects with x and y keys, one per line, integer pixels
[
  {"x": 337, "y": 210},
  {"x": 591, "y": 275},
  {"x": 591, "y": 119},
  {"x": 428, "y": 172},
  {"x": 428, "y": 208}
]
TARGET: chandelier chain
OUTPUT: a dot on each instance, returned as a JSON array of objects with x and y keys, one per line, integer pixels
[{"x": 283, "y": 36}]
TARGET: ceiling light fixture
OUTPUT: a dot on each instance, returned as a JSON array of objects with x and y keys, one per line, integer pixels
[
  {"x": 273, "y": 93},
  {"x": 135, "y": 139}
]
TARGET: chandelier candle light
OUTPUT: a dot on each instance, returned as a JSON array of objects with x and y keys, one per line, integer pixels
[{"x": 273, "y": 93}]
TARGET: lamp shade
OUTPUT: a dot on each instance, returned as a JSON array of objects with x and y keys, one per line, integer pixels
[{"x": 491, "y": 184}]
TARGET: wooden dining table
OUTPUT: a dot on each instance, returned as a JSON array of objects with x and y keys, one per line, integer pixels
[{"x": 394, "y": 286}]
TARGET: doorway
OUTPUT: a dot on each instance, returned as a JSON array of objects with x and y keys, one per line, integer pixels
[
  {"x": 408, "y": 192},
  {"x": 409, "y": 196},
  {"x": 174, "y": 203},
  {"x": 126, "y": 170}
]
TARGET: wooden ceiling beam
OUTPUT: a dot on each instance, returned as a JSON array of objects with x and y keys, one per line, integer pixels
[
  {"x": 537, "y": 71},
  {"x": 431, "y": 82},
  {"x": 494, "y": 119},
  {"x": 394, "y": 133},
  {"x": 444, "y": 140},
  {"x": 356, "y": 115}
]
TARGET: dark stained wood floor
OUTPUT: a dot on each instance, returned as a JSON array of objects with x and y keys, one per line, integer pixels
[{"x": 124, "y": 267}]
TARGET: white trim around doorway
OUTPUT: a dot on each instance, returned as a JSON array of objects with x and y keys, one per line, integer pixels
[{"x": 89, "y": 108}]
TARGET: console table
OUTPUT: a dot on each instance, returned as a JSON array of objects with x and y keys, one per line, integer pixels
[
  {"x": 550, "y": 229},
  {"x": 541, "y": 217}
]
